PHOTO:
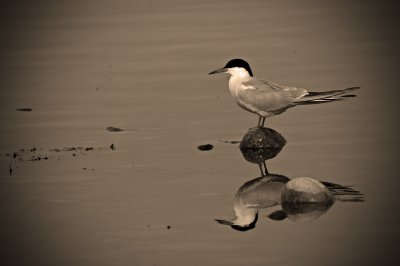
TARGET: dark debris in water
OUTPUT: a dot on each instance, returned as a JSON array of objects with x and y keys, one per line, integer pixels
[
  {"x": 114, "y": 129},
  {"x": 230, "y": 141},
  {"x": 38, "y": 154},
  {"x": 205, "y": 147},
  {"x": 24, "y": 109},
  {"x": 158, "y": 227}
]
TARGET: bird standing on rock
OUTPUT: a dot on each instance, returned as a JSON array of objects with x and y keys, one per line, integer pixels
[{"x": 266, "y": 98}]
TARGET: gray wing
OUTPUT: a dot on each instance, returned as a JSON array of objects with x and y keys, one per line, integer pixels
[{"x": 268, "y": 96}]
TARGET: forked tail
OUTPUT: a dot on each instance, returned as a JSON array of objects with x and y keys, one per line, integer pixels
[{"x": 326, "y": 96}]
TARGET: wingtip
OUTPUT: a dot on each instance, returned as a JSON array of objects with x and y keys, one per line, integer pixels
[{"x": 353, "y": 88}]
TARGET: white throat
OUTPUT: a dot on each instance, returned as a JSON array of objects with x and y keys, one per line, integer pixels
[
  {"x": 238, "y": 76},
  {"x": 238, "y": 72}
]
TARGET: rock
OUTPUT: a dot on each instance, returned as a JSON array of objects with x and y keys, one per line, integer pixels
[{"x": 260, "y": 144}]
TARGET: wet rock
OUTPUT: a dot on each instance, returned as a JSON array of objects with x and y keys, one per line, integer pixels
[
  {"x": 205, "y": 147},
  {"x": 262, "y": 138},
  {"x": 260, "y": 144}
]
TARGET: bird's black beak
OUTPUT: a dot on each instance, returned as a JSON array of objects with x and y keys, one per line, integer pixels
[
  {"x": 224, "y": 222},
  {"x": 220, "y": 70}
]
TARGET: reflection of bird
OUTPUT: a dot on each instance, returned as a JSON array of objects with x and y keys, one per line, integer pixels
[
  {"x": 301, "y": 199},
  {"x": 260, "y": 193},
  {"x": 266, "y": 98}
]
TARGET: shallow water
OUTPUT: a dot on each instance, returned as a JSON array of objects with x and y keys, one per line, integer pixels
[{"x": 142, "y": 67}]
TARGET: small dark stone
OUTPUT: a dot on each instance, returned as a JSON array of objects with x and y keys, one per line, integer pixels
[
  {"x": 205, "y": 147},
  {"x": 89, "y": 149},
  {"x": 112, "y": 146},
  {"x": 24, "y": 109},
  {"x": 33, "y": 149},
  {"x": 168, "y": 227},
  {"x": 15, "y": 155}
]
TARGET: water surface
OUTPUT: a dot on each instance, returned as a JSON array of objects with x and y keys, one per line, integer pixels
[{"x": 142, "y": 66}]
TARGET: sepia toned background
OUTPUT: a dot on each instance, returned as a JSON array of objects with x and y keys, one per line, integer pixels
[{"x": 141, "y": 66}]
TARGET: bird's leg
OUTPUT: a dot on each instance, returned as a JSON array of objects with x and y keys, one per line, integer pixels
[
  {"x": 261, "y": 169},
  {"x": 264, "y": 171},
  {"x": 259, "y": 121},
  {"x": 263, "y": 121},
  {"x": 265, "y": 167}
]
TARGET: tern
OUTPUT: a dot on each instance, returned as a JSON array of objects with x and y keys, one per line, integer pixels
[{"x": 266, "y": 98}]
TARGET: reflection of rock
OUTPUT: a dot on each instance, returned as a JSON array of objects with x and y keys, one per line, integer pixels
[
  {"x": 260, "y": 144},
  {"x": 301, "y": 212}
]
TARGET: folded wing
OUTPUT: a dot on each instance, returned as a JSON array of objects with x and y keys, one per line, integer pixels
[{"x": 267, "y": 96}]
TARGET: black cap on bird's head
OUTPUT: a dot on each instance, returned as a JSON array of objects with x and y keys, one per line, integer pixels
[
  {"x": 239, "y": 227},
  {"x": 234, "y": 63}
]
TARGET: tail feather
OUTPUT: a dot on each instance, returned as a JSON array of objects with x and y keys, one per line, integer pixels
[
  {"x": 326, "y": 96},
  {"x": 344, "y": 193}
]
